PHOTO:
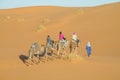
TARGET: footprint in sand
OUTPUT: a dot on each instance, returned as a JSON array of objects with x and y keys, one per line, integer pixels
[
  {"x": 8, "y": 17},
  {"x": 80, "y": 11},
  {"x": 21, "y": 20},
  {"x": 40, "y": 28},
  {"x": 75, "y": 58},
  {"x": 45, "y": 21}
]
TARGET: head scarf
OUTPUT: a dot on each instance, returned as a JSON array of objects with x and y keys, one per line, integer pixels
[
  {"x": 74, "y": 33},
  {"x": 88, "y": 44}
]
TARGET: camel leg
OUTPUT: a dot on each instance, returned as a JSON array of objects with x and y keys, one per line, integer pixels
[
  {"x": 46, "y": 53},
  {"x": 58, "y": 52},
  {"x": 70, "y": 50},
  {"x": 76, "y": 51},
  {"x": 30, "y": 54}
]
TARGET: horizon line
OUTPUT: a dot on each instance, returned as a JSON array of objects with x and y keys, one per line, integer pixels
[{"x": 57, "y": 6}]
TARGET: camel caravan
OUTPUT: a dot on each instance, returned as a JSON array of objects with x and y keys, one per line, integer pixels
[{"x": 53, "y": 49}]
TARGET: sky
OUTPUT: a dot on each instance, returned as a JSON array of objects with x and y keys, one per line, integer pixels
[{"x": 7, "y": 4}]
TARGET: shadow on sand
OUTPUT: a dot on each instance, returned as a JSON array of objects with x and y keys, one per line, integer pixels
[{"x": 23, "y": 58}]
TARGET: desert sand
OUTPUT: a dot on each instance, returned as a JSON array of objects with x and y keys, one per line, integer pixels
[{"x": 100, "y": 25}]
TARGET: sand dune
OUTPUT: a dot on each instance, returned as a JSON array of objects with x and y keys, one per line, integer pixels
[{"x": 20, "y": 27}]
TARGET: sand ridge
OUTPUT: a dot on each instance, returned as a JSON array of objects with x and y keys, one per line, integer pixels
[{"x": 21, "y": 27}]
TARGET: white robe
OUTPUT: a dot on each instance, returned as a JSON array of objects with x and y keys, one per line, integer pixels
[{"x": 74, "y": 37}]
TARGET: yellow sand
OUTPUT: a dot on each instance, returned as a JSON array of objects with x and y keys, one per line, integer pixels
[{"x": 19, "y": 28}]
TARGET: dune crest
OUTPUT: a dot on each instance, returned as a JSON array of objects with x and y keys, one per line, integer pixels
[{"x": 19, "y": 28}]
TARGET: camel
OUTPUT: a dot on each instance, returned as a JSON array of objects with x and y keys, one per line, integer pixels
[
  {"x": 61, "y": 48},
  {"x": 36, "y": 51},
  {"x": 73, "y": 47}
]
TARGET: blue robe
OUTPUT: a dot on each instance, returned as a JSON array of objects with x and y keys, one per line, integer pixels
[{"x": 89, "y": 51}]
